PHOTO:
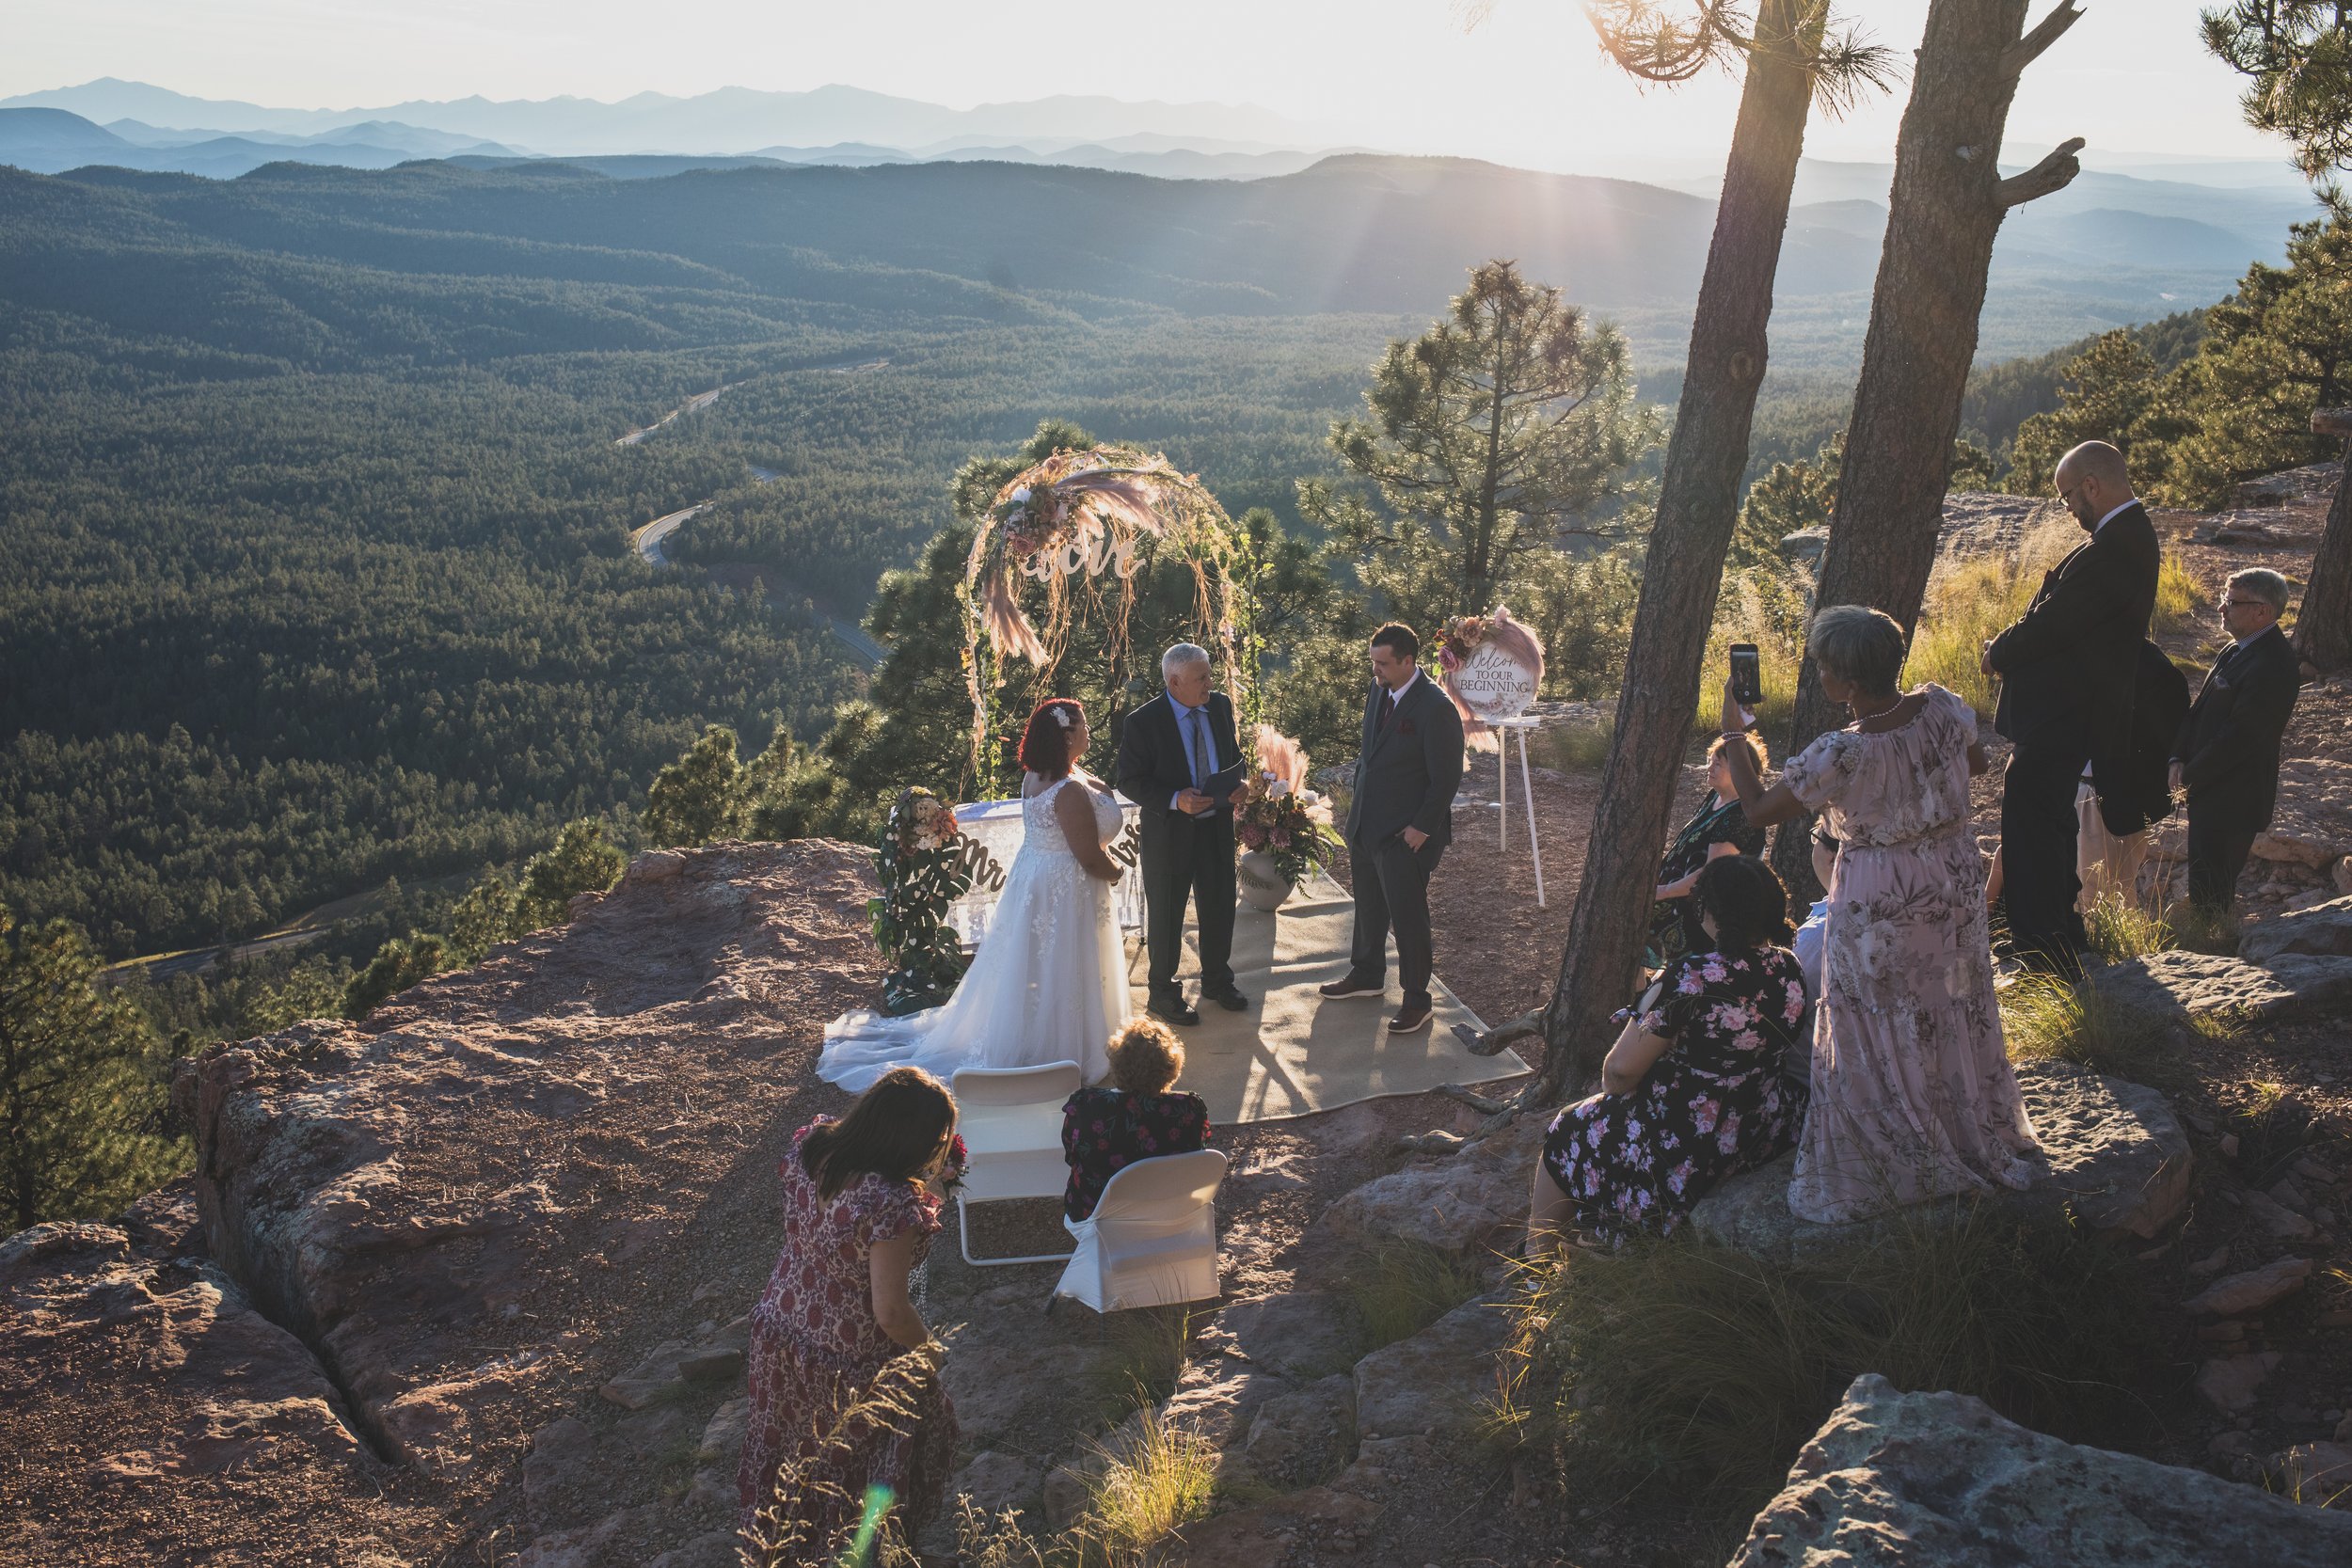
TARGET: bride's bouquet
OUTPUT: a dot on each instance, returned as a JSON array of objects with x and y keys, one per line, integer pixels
[{"x": 1276, "y": 814}]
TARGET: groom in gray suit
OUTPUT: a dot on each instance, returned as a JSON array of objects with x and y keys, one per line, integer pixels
[{"x": 1400, "y": 818}]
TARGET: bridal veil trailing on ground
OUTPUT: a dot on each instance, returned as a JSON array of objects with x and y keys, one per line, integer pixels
[{"x": 1049, "y": 983}]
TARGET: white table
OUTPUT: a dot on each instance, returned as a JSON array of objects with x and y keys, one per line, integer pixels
[{"x": 992, "y": 836}]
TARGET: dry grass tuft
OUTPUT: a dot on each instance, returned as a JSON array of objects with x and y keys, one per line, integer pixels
[
  {"x": 1686, "y": 1363},
  {"x": 1402, "y": 1288},
  {"x": 2047, "y": 1019}
]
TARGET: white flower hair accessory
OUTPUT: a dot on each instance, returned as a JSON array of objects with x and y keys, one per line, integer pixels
[{"x": 1061, "y": 716}]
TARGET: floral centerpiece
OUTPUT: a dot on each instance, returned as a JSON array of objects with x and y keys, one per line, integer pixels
[
  {"x": 920, "y": 860},
  {"x": 1275, "y": 815}
]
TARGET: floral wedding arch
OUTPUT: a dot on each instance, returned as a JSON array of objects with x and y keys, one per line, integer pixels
[{"x": 1082, "y": 523}]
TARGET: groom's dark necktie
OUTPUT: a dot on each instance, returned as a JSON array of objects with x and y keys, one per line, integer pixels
[{"x": 1388, "y": 709}]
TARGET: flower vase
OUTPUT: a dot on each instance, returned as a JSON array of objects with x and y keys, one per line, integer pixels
[{"x": 1263, "y": 886}]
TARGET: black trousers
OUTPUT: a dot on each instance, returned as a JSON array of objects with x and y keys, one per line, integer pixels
[
  {"x": 1193, "y": 860},
  {"x": 2038, "y": 829},
  {"x": 1393, "y": 894},
  {"x": 2218, "y": 843}
]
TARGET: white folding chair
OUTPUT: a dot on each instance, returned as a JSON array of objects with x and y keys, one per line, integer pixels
[
  {"x": 1010, "y": 1118},
  {"x": 1152, "y": 1241}
]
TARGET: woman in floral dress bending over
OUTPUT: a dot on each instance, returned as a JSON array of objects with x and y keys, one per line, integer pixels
[
  {"x": 838, "y": 1404},
  {"x": 1692, "y": 1090},
  {"x": 1912, "y": 1096}
]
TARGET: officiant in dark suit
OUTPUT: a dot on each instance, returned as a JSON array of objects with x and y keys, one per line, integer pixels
[
  {"x": 1169, "y": 755},
  {"x": 2226, "y": 754},
  {"x": 2067, "y": 668},
  {"x": 1400, "y": 818}
]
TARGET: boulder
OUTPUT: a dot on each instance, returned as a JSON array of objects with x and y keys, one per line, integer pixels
[
  {"x": 1305, "y": 1436},
  {"x": 2229, "y": 1383},
  {"x": 2236, "y": 1295},
  {"x": 1300, "y": 1334},
  {"x": 2312, "y": 824},
  {"x": 131, "y": 1383},
  {"x": 1938, "y": 1481},
  {"x": 2323, "y": 929},
  {"x": 2115, "y": 1157},
  {"x": 998, "y": 1482},
  {"x": 2197, "y": 984},
  {"x": 1459, "y": 1203},
  {"x": 1435, "y": 1384}
]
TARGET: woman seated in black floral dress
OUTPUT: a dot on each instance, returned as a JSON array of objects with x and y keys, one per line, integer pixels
[
  {"x": 1692, "y": 1091},
  {"x": 1144, "y": 1116},
  {"x": 1718, "y": 828}
]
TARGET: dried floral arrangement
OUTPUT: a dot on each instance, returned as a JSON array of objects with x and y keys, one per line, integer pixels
[
  {"x": 1275, "y": 812},
  {"x": 1077, "y": 523}
]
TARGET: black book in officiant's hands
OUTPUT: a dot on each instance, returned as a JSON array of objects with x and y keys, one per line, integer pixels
[{"x": 1221, "y": 785}]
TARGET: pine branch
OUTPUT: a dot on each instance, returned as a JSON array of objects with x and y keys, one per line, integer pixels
[
  {"x": 2053, "y": 173},
  {"x": 2018, "y": 55}
]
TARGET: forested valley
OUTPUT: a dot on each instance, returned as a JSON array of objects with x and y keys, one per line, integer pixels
[{"x": 319, "y": 524}]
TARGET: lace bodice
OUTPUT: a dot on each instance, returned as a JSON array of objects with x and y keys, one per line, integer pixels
[{"x": 1040, "y": 828}]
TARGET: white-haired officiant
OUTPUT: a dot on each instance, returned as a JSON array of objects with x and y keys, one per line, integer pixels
[{"x": 1170, "y": 755}]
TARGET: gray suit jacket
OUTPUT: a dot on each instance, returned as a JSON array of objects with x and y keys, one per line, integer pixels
[{"x": 1407, "y": 773}]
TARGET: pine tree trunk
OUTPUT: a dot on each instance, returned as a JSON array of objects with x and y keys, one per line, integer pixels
[
  {"x": 1943, "y": 214},
  {"x": 2323, "y": 627},
  {"x": 1697, "y": 502}
]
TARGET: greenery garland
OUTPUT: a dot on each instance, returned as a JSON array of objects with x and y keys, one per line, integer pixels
[{"x": 920, "y": 856}]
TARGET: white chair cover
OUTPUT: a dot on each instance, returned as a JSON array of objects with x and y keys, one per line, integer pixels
[
  {"x": 1152, "y": 1241},
  {"x": 1010, "y": 1119}
]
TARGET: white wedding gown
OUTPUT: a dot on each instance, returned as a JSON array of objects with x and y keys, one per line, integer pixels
[{"x": 1049, "y": 982}]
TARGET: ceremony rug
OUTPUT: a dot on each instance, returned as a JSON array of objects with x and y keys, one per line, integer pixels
[{"x": 1293, "y": 1053}]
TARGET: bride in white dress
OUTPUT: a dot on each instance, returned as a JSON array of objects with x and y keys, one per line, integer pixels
[{"x": 1049, "y": 983}]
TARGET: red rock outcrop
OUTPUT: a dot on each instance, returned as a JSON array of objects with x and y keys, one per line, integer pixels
[{"x": 447, "y": 1228}]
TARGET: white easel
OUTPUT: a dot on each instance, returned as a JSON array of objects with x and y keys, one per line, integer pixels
[{"x": 1519, "y": 726}]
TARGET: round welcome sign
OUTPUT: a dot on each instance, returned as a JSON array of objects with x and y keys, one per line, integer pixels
[{"x": 1493, "y": 685}]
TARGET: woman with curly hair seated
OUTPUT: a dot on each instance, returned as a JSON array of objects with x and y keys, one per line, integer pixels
[
  {"x": 1692, "y": 1090},
  {"x": 1138, "y": 1116}
]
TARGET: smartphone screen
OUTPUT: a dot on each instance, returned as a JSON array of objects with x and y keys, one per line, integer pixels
[{"x": 1747, "y": 675}]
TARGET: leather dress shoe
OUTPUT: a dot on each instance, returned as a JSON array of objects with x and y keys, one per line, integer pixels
[
  {"x": 1232, "y": 1000},
  {"x": 1173, "y": 1009},
  {"x": 1348, "y": 985},
  {"x": 1411, "y": 1018}
]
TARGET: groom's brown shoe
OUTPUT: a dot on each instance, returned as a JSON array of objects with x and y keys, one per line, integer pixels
[
  {"x": 1411, "y": 1018},
  {"x": 1349, "y": 985}
]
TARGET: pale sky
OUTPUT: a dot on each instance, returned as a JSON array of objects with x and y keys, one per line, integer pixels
[{"x": 1526, "y": 87}]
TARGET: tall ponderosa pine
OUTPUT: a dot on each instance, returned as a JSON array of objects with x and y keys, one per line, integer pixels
[
  {"x": 80, "y": 1085},
  {"x": 1944, "y": 211},
  {"x": 1794, "y": 57},
  {"x": 1506, "y": 427}
]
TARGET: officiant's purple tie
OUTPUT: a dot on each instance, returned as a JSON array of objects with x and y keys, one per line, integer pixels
[{"x": 1201, "y": 766}]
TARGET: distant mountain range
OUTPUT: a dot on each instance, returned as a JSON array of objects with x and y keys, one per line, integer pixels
[{"x": 729, "y": 120}]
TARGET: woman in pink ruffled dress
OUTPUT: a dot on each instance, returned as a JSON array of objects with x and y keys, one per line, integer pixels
[{"x": 1912, "y": 1096}]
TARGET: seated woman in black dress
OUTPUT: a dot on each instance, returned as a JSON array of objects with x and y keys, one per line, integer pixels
[
  {"x": 1691, "y": 1092},
  {"x": 1719, "y": 827},
  {"x": 1144, "y": 1116}
]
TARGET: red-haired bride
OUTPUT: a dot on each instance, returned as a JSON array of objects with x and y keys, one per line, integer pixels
[{"x": 1049, "y": 983}]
